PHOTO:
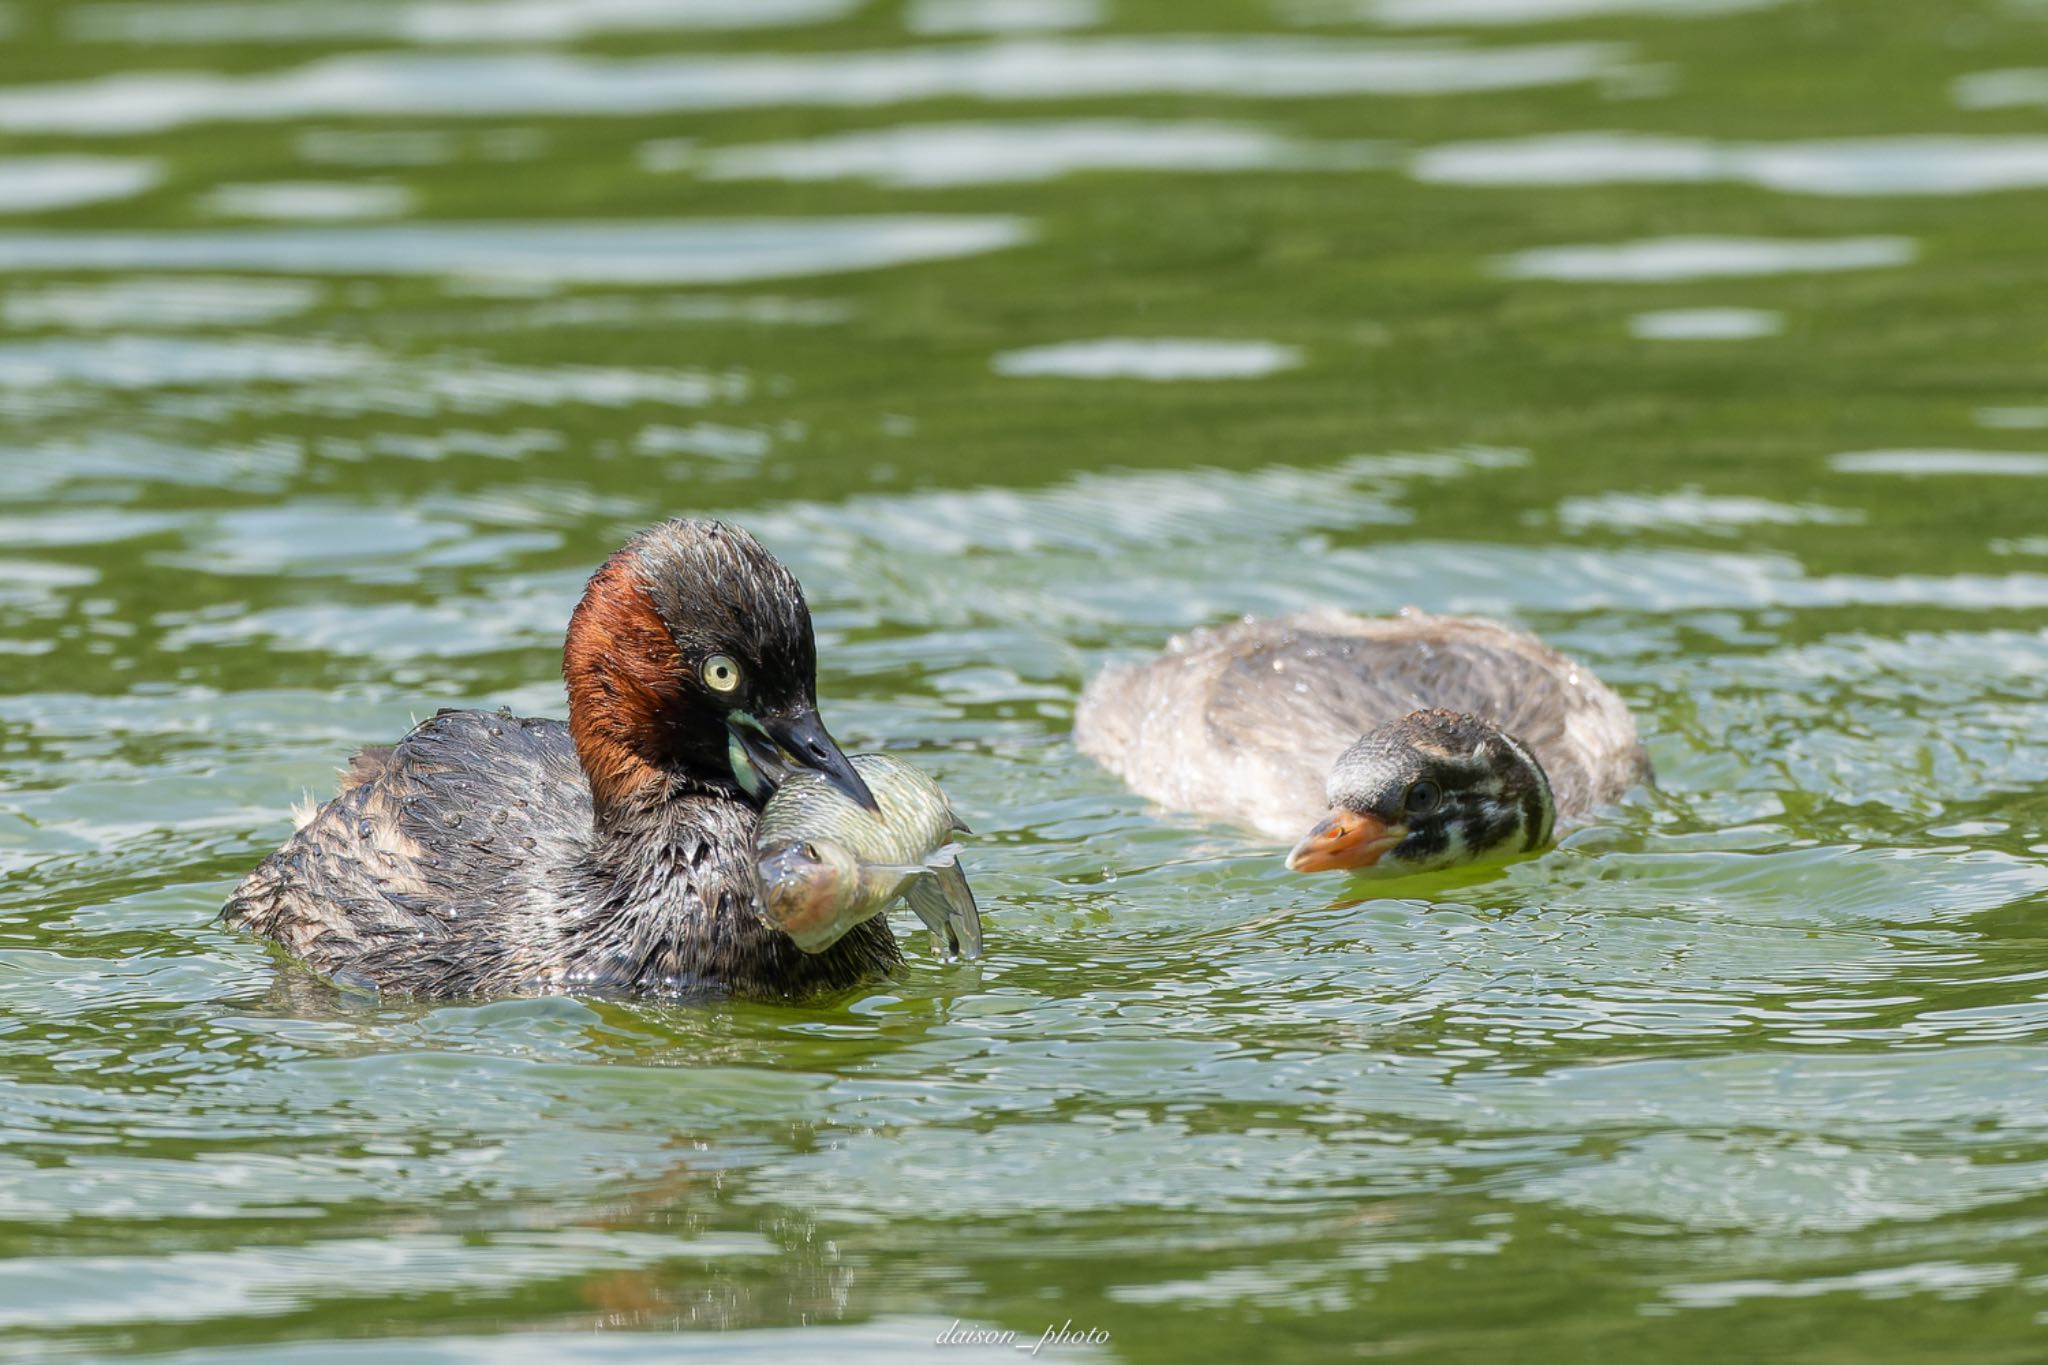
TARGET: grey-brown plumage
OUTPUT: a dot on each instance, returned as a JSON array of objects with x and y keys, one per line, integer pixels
[
  {"x": 487, "y": 854},
  {"x": 1244, "y": 723}
]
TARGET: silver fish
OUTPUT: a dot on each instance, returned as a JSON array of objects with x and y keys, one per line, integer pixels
[{"x": 826, "y": 863}]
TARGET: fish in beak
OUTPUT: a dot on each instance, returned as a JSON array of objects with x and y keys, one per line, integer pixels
[
  {"x": 1345, "y": 839},
  {"x": 764, "y": 750}
]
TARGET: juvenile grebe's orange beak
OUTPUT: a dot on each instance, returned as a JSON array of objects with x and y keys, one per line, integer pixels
[{"x": 1344, "y": 839}]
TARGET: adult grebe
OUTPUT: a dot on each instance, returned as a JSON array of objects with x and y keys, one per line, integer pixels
[{"x": 488, "y": 853}]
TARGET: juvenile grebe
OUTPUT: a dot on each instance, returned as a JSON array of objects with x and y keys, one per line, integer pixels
[
  {"x": 1477, "y": 738},
  {"x": 488, "y": 853}
]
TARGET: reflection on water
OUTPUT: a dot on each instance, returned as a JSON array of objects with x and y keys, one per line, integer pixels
[
  {"x": 1948, "y": 1279},
  {"x": 263, "y": 1281},
  {"x": 1707, "y": 324},
  {"x": 1150, "y": 358},
  {"x": 1438, "y": 13},
  {"x": 307, "y": 199},
  {"x": 2012, "y": 419},
  {"x": 1695, "y": 258},
  {"x": 429, "y": 21},
  {"x": 883, "y": 1341},
  {"x": 1874, "y": 166},
  {"x": 171, "y": 302},
  {"x": 2002, "y": 89},
  {"x": 681, "y": 252},
  {"x": 930, "y": 155},
  {"x": 1002, "y": 16},
  {"x": 415, "y": 147},
  {"x": 134, "y": 361},
  {"x": 1740, "y": 408},
  {"x": 33, "y": 184},
  {"x": 2025, "y": 545},
  {"x": 1692, "y": 510},
  {"x": 1913, "y": 463},
  {"x": 531, "y": 84}
]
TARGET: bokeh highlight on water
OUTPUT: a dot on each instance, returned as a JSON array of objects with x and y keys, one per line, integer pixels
[{"x": 339, "y": 343}]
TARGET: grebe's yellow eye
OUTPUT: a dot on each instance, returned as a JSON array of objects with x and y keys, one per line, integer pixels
[{"x": 720, "y": 674}]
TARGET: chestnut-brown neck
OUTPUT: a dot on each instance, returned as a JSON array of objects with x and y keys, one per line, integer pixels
[{"x": 628, "y": 712}]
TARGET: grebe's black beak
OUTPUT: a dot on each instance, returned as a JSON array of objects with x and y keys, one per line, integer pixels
[{"x": 772, "y": 745}]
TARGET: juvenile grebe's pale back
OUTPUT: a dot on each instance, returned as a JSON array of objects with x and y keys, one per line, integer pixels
[
  {"x": 1391, "y": 745},
  {"x": 488, "y": 853}
]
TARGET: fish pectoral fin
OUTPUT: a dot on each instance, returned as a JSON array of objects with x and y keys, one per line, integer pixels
[
  {"x": 943, "y": 900},
  {"x": 940, "y": 858},
  {"x": 906, "y": 871}
]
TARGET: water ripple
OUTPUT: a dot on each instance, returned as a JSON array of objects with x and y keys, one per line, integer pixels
[
  {"x": 1707, "y": 324},
  {"x": 429, "y": 21},
  {"x": 932, "y": 155},
  {"x": 1695, "y": 258},
  {"x": 189, "y": 1286},
  {"x": 482, "y": 85},
  {"x": 1694, "y": 511},
  {"x": 1002, "y": 16},
  {"x": 2007, "y": 89},
  {"x": 158, "y": 301},
  {"x": 642, "y": 252},
  {"x": 1923, "y": 463},
  {"x": 311, "y": 200},
  {"x": 1153, "y": 358},
  {"x": 1489, "y": 13},
  {"x": 37, "y": 184},
  {"x": 1934, "y": 165}
]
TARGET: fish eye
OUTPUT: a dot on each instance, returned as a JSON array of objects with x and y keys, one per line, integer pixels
[
  {"x": 810, "y": 852},
  {"x": 1423, "y": 797},
  {"x": 720, "y": 673}
]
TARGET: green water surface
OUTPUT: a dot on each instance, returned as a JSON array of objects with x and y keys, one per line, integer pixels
[{"x": 1708, "y": 338}]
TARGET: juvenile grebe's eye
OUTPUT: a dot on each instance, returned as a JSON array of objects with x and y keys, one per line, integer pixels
[
  {"x": 1423, "y": 797},
  {"x": 720, "y": 673}
]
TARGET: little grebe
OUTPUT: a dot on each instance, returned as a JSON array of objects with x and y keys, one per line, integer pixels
[
  {"x": 1476, "y": 739},
  {"x": 489, "y": 853}
]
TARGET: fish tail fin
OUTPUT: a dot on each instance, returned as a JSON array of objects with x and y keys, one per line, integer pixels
[{"x": 944, "y": 901}]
